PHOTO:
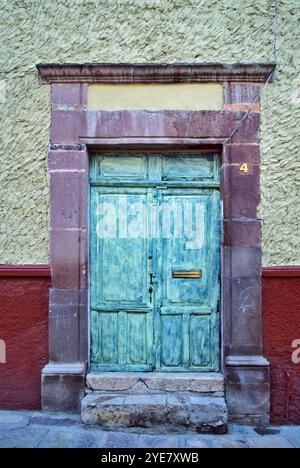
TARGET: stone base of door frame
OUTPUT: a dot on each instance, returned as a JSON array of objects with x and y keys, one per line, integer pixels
[
  {"x": 248, "y": 389},
  {"x": 63, "y": 387},
  {"x": 160, "y": 401}
]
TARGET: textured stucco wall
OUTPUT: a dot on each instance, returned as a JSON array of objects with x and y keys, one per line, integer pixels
[{"x": 140, "y": 31}]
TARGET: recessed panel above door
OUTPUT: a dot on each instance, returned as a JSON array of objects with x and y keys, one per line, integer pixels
[{"x": 188, "y": 167}]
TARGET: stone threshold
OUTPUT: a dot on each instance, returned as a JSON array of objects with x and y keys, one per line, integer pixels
[
  {"x": 210, "y": 384},
  {"x": 172, "y": 412}
]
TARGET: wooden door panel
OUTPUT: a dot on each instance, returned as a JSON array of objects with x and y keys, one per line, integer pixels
[
  {"x": 121, "y": 311},
  {"x": 104, "y": 336},
  {"x": 121, "y": 341},
  {"x": 137, "y": 339},
  {"x": 119, "y": 260},
  {"x": 200, "y": 341},
  {"x": 185, "y": 247},
  {"x": 189, "y": 305},
  {"x": 114, "y": 166},
  {"x": 188, "y": 167},
  {"x": 171, "y": 340}
]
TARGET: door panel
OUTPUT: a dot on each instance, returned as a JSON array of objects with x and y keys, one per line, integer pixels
[
  {"x": 119, "y": 265},
  {"x": 185, "y": 247},
  {"x": 155, "y": 264},
  {"x": 190, "y": 246},
  {"x": 104, "y": 328},
  {"x": 171, "y": 342},
  {"x": 200, "y": 341},
  {"x": 121, "y": 309},
  {"x": 137, "y": 339},
  {"x": 124, "y": 167},
  {"x": 187, "y": 167},
  {"x": 121, "y": 341}
]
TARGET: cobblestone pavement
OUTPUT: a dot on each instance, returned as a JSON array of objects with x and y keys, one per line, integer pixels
[{"x": 43, "y": 430}]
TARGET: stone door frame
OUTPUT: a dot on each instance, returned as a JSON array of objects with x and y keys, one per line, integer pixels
[{"x": 234, "y": 133}]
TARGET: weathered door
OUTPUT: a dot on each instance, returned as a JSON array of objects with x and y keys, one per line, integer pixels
[{"x": 155, "y": 262}]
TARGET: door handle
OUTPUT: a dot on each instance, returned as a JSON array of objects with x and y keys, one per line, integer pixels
[{"x": 152, "y": 279}]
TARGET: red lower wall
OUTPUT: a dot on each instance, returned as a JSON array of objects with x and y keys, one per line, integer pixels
[
  {"x": 24, "y": 329},
  {"x": 281, "y": 317}
]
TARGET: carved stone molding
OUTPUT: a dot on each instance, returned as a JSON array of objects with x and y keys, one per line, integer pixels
[{"x": 154, "y": 73}]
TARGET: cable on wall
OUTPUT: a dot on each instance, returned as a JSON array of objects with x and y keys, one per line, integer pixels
[{"x": 276, "y": 31}]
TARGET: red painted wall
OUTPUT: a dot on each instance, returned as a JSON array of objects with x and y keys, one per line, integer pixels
[
  {"x": 24, "y": 328},
  {"x": 281, "y": 316}
]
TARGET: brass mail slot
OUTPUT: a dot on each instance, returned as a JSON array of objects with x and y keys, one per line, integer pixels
[{"x": 188, "y": 274}]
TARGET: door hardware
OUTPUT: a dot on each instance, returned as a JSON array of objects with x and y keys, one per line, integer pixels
[
  {"x": 187, "y": 274},
  {"x": 150, "y": 293},
  {"x": 152, "y": 279}
]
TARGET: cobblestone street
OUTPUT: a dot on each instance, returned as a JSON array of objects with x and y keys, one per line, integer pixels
[{"x": 41, "y": 430}]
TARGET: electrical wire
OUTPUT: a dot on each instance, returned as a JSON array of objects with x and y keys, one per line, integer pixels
[{"x": 271, "y": 75}]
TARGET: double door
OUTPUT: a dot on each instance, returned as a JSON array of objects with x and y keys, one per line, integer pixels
[{"x": 155, "y": 255}]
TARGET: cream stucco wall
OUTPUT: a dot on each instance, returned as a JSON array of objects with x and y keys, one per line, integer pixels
[{"x": 33, "y": 31}]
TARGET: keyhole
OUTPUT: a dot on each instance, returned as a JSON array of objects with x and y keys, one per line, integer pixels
[{"x": 150, "y": 292}]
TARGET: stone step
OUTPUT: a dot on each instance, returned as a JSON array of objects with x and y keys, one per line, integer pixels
[
  {"x": 172, "y": 412},
  {"x": 206, "y": 384}
]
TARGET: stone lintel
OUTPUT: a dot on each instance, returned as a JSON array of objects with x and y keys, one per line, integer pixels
[{"x": 154, "y": 72}]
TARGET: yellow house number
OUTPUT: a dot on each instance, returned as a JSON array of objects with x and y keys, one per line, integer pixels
[{"x": 244, "y": 168}]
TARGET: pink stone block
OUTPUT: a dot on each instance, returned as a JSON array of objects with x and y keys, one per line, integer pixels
[
  {"x": 241, "y": 193},
  {"x": 72, "y": 94},
  {"x": 66, "y": 126},
  {"x": 69, "y": 259},
  {"x": 69, "y": 193}
]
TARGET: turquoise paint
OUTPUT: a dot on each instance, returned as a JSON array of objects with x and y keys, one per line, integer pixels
[{"x": 150, "y": 215}]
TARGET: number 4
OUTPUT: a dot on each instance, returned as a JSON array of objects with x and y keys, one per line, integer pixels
[{"x": 244, "y": 168}]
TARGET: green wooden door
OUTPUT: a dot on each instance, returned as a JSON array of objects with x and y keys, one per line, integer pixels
[{"x": 155, "y": 262}]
